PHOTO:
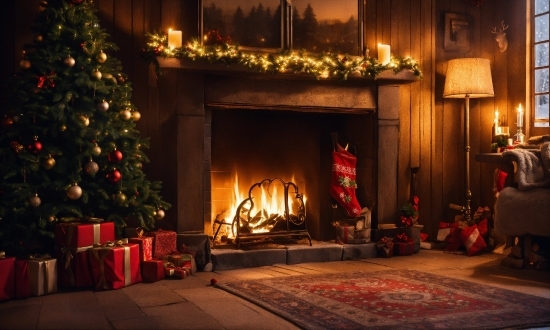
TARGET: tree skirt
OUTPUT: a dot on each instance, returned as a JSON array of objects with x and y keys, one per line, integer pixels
[{"x": 404, "y": 299}]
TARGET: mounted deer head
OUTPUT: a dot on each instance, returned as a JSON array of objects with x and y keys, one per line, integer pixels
[{"x": 501, "y": 37}]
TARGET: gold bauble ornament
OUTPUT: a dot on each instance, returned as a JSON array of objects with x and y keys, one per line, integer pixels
[
  {"x": 25, "y": 64},
  {"x": 85, "y": 120},
  {"x": 120, "y": 198},
  {"x": 51, "y": 218},
  {"x": 136, "y": 115},
  {"x": 74, "y": 192},
  {"x": 96, "y": 150},
  {"x": 63, "y": 128},
  {"x": 91, "y": 167},
  {"x": 97, "y": 74},
  {"x": 69, "y": 61},
  {"x": 49, "y": 162},
  {"x": 35, "y": 201},
  {"x": 125, "y": 114},
  {"x": 159, "y": 215},
  {"x": 101, "y": 57},
  {"x": 107, "y": 76},
  {"x": 38, "y": 38},
  {"x": 103, "y": 106}
]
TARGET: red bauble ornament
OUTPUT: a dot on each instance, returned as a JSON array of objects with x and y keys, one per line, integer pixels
[
  {"x": 35, "y": 146},
  {"x": 76, "y": 2},
  {"x": 213, "y": 281},
  {"x": 115, "y": 156},
  {"x": 114, "y": 176}
]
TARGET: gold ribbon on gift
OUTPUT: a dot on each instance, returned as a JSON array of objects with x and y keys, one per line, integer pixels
[
  {"x": 140, "y": 232},
  {"x": 44, "y": 258},
  {"x": 100, "y": 252}
]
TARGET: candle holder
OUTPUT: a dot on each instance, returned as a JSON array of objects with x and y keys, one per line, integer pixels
[{"x": 519, "y": 137}]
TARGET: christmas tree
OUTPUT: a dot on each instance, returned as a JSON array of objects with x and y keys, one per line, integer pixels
[{"x": 69, "y": 148}]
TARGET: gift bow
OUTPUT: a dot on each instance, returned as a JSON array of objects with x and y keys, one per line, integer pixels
[
  {"x": 385, "y": 242},
  {"x": 140, "y": 232},
  {"x": 401, "y": 238},
  {"x": 443, "y": 225}
]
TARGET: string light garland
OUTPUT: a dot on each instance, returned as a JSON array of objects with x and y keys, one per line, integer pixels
[{"x": 327, "y": 65}]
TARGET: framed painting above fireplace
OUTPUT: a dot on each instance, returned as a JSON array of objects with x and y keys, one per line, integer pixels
[{"x": 315, "y": 26}]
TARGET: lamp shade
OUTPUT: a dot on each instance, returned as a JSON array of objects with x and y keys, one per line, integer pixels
[{"x": 468, "y": 76}]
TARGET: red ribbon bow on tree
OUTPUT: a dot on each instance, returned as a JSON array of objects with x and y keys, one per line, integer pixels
[{"x": 46, "y": 81}]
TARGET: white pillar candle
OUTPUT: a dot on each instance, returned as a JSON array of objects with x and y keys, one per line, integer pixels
[
  {"x": 174, "y": 38},
  {"x": 520, "y": 116},
  {"x": 383, "y": 54}
]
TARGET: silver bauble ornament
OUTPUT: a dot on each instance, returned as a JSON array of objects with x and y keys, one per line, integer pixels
[
  {"x": 35, "y": 201},
  {"x": 91, "y": 168},
  {"x": 69, "y": 61},
  {"x": 74, "y": 192},
  {"x": 159, "y": 215},
  {"x": 103, "y": 106}
]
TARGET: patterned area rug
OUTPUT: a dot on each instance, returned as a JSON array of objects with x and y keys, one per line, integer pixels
[{"x": 403, "y": 299}]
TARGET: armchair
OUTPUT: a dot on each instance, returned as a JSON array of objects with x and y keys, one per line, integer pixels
[{"x": 524, "y": 210}]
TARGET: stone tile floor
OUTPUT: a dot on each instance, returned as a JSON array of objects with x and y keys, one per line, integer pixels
[{"x": 192, "y": 303}]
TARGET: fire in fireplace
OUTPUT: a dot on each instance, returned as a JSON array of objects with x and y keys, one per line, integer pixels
[{"x": 272, "y": 208}]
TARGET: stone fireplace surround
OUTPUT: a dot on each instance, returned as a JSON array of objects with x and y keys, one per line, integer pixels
[{"x": 203, "y": 89}]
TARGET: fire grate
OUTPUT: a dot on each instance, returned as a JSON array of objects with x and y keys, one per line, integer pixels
[{"x": 253, "y": 221}]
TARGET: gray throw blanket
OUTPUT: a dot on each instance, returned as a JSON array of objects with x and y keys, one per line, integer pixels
[{"x": 530, "y": 171}]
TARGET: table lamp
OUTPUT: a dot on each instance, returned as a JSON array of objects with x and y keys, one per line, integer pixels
[{"x": 468, "y": 78}]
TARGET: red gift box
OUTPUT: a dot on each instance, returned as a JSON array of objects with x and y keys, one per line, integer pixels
[
  {"x": 385, "y": 247},
  {"x": 7, "y": 278},
  {"x": 182, "y": 272},
  {"x": 345, "y": 234},
  {"x": 145, "y": 247},
  {"x": 115, "y": 265},
  {"x": 164, "y": 242},
  {"x": 403, "y": 245},
  {"x": 84, "y": 235},
  {"x": 445, "y": 229},
  {"x": 152, "y": 271},
  {"x": 472, "y": 239},
  {"x": 22, "y": 281},
  {"x": 74, "y": 271}
]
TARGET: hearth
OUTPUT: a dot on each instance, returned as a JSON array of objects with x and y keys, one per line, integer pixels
[{"x": 232, "y": 123}]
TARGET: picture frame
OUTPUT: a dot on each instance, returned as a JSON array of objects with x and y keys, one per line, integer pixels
[
  {"x": 458, "y": 32},
  {"x": 271, "y": 25}
]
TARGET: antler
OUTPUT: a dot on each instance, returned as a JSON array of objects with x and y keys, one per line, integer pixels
[{"x": 504, "y": 27}]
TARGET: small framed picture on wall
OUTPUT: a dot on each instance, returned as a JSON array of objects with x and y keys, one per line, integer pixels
[{"x": 458, "y": 32}]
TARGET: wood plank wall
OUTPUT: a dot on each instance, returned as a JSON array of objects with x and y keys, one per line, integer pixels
[{"x": 431, "y": 134}]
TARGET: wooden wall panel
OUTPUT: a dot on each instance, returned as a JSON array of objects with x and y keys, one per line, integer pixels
[{"x": 431, "y": 128}]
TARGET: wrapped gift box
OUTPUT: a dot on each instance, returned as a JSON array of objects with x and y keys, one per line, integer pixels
[
  {"x": 164, "y": 242},
  {"x": 42, "y": 275},
  {"x": 385, "y": 247},
  {"x": 7, "y": 278},
  {"x": 22, "y": 281},
  {"x": 345, "y": 234},
  {"x": 73, "y": 271},
  {"x": 83, "y": 235},
  {"x": 403, "y": 245},
  {"x": 182, "y": 272},
  {"x": 115, "y": 265},
  {"x": 152, "y": 271},
  {"x": 145, "y": 247},
  {"x": 444, "y": 230}
]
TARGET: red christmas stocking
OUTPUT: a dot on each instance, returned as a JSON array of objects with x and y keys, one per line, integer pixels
[{"x": 343, "y": 185}]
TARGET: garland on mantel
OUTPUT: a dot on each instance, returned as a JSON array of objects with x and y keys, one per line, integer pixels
[{"x": 326, "y": 65}]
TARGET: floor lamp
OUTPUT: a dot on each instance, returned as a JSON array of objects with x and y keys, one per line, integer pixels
[{"x": 468, "y": 78}]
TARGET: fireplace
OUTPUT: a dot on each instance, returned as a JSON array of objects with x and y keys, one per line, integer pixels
[{"x": 232, "y": 124}]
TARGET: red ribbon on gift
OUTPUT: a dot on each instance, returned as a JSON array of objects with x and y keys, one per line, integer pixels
[
  {"x": 401, "y": 238},
  {"x": 385, "y": 242},
  {"x": 443, "y": 225}
]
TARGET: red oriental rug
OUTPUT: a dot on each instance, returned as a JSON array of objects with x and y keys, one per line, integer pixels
[{"x": 397, "y": 299}]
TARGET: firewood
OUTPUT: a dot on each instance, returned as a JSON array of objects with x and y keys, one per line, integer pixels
[
  {"x": 512, "y": 262},
  {"x": 535, "y": 258},
  {"x": 516, "y": 252}
]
